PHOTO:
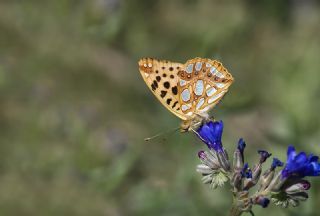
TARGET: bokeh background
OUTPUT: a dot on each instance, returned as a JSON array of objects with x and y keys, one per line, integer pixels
[{"x": 74, "y": 110}]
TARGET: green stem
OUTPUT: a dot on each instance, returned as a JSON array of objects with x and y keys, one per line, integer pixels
[
  {"x": 241, "y": 203},
  {"x": 235, "y": 210}
]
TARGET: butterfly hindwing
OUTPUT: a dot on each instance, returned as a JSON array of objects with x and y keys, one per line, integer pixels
[{"x": 202, "y": 84}]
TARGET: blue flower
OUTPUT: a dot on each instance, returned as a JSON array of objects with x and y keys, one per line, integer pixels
[
  {"x": 211, "y": 133},
  {"x": 276, "y": 163},
  {"x": 264, "y": 155},
  {"x": 300, "y": 165}
]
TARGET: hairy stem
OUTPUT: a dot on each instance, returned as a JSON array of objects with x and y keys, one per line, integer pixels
[
  {"x": 235, "y": 210},
  {"x": 241, "y": 203}
]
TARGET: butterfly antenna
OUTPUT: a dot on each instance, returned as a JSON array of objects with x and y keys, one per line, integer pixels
[{"x": 162, "y": 134}]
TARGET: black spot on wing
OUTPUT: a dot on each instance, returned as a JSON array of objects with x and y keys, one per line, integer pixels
[
  {"x": 153, "y": 87},
  {"x": 174, "y": 90},
  {"x": 166, "y": 85},
  {"x": 163, "y": 94},
  {"x": 174, "y": 105},
  {"x": 155, "y": 84}
]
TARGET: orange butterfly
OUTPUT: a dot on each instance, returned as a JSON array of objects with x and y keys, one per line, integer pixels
[{"x": 187, "y": 90}]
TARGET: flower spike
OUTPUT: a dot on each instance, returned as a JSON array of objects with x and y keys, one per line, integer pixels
[{"x": 284, "y": 188}]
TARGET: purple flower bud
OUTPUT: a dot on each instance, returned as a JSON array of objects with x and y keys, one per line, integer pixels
[
  {"x": 276, "y": 163},
  {"x": 298, "y": 187},
  {"x": 209, "y": 158},
  {"x": 263, "y": 201},
  {"x": 241, "y": 146},
  {"x": 264, "y": 155},
  {"x": 306, "y": 185},
  {"x": 202, "y": 155}
]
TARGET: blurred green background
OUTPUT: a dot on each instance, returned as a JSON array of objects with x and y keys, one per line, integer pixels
[{"x": 74, "y": 110}]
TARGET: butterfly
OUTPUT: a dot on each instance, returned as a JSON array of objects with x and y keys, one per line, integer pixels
[{"x": 188, "y": 90}]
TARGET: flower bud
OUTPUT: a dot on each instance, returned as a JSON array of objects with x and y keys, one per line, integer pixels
[
  {"x": 237, "y": 160},
  {"x": 264, "y": 155},
  {"x": 246, "y": 172},
  {"x": 268, "y": 175},
  {"x": 204, "y": 169},
  {"x": 265, "y": 179},
  {"x": 209, "y": 159},
  {"x": 256, "y": 172},
  {"x": 241, "y": 145},
  {"x": 276, "y": 183},
  {"x": 261, "y": 200},
  {"x": 302, "y": 196},
  {"x": 276, "y": 163},
  {"x": 236, "y": 181},
  {"x": 293, "y": 202},
  {"x": 207, "y": 179},
  {"x": 301, "y": 186},
  {"x": 224, "y": 160}
]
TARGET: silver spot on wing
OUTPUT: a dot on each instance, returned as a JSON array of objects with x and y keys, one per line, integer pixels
[
  {"x": 198, "y": 66},
  {"x": 216, "y": 97},
  {"x": 199, "y": 88},
  {"x": 200, "y": 103},
  {"x": 185, "y": 95},
  {"x": 211, "y": 91},
  {"x": 189, "y": 68}
]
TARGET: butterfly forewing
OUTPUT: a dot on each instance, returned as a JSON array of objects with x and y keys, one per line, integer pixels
[
  {"x": 162, "y": 79},
  {"x": 202, "y": 84}
]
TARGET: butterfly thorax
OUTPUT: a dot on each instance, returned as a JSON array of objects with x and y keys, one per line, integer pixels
[{"x": 194, "y": 123}]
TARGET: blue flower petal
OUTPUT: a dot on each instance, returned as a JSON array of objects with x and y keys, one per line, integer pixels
[
  {"x": 291, "y": 152},
  {"x": 313, "y": 158}
]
